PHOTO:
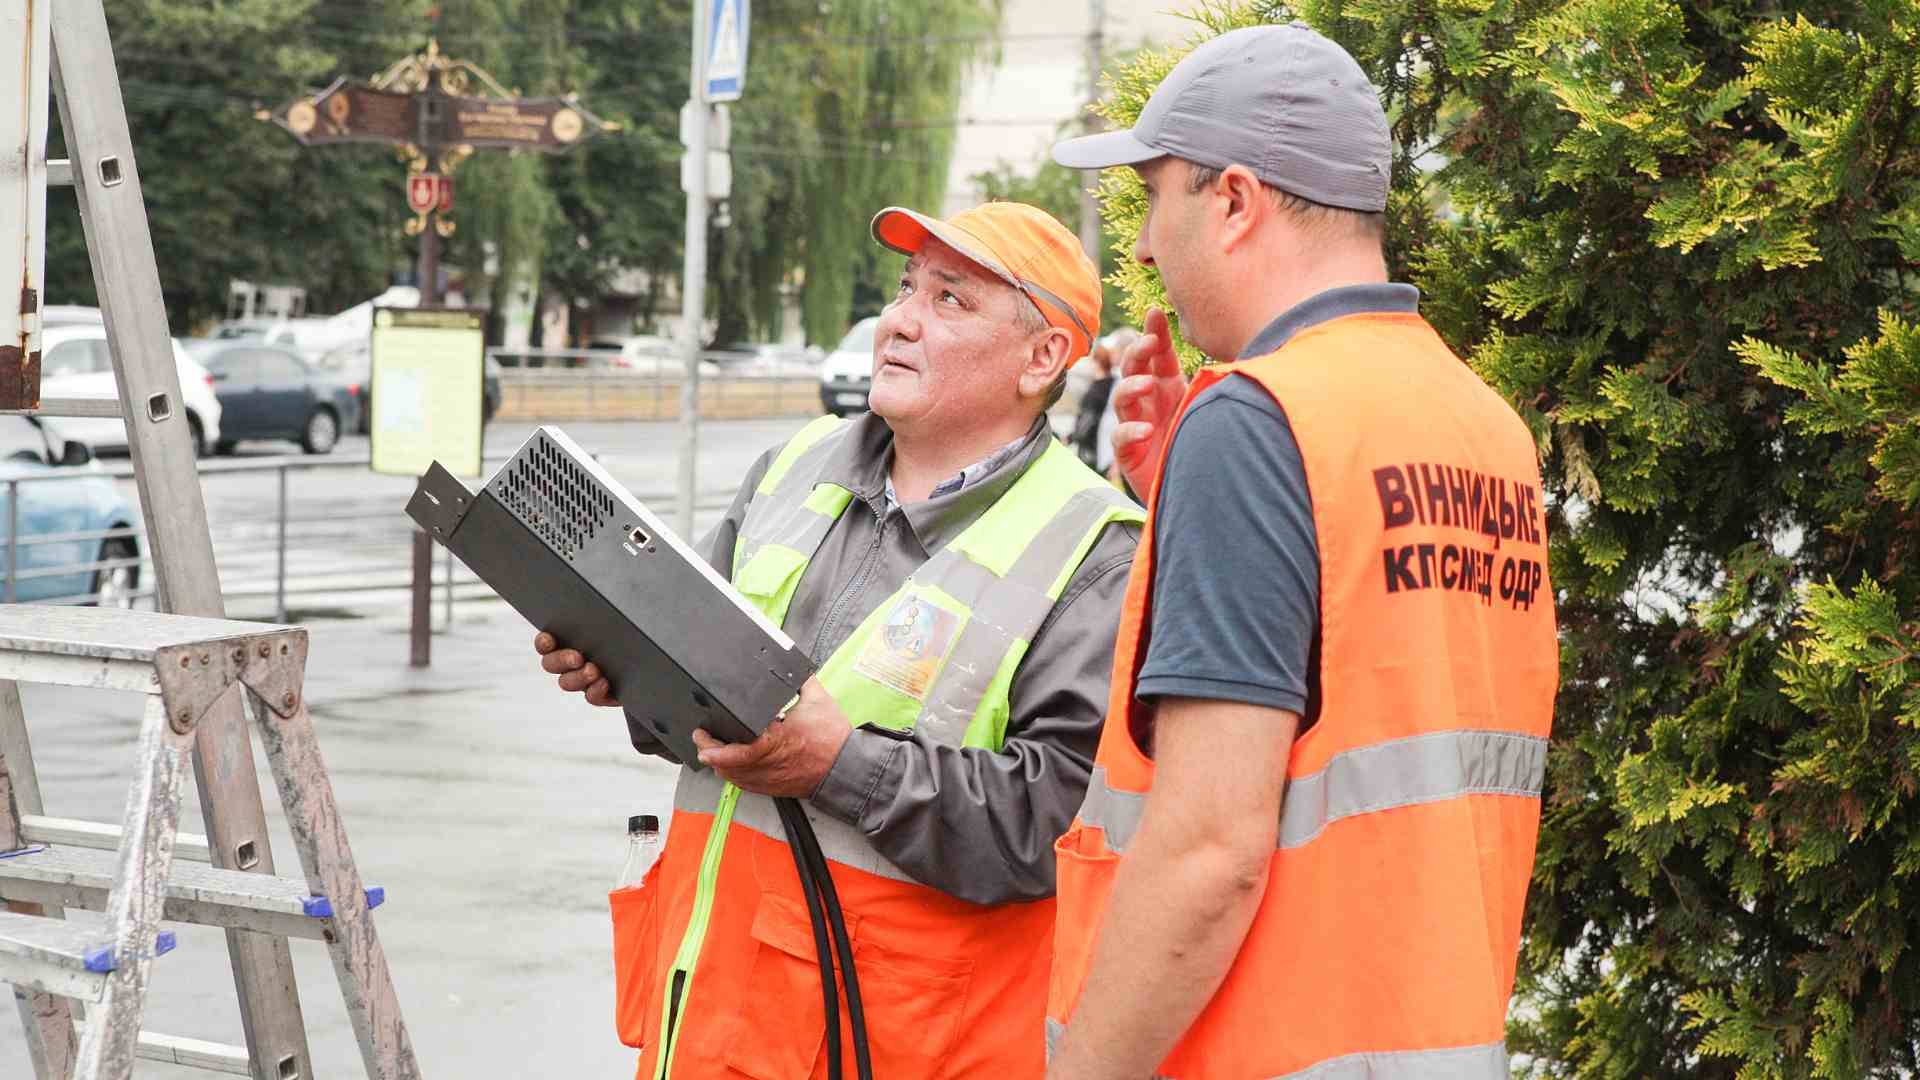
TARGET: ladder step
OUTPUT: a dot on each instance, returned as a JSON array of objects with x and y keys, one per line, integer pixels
[
  {"x": 60, "y": 957},
  {"x": 137, "y": 636},
  {"x": 90, "y": 407},
  {"x": 193, "y": 1053},
  {"x": 72, "y": 832},
  {"x": 59, "y": 172},
  {"x": 205, "y": 895}
]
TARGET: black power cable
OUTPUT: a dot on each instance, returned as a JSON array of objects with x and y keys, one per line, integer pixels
[
  {"x": 816, "y": 877},
  {"x": 849, "y": 975},
  {"x": 790, "y": 812}
]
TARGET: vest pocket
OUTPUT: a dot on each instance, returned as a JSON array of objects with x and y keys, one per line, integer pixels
[
  {"x": 913, "y": 1003},
  {"x": 781, "y": 1025},
  {"x": 636, "y": 945},
  {"x": 1085, "y": 880},
  {"x": 769, "y": 578}
]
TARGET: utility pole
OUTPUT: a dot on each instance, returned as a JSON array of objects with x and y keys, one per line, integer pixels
[
  {"x": 693, "y": 280},
  {"x": 1090, "y": 206}
]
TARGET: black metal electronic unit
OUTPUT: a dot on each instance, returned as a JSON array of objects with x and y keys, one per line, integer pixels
[{"x": 571, "y": 550}]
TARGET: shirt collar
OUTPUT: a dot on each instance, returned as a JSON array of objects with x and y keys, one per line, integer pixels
[
  {"x": 965, "y": 476},
  {"x": 1332, "y": 304},
  {"x": 864, "y": 464}
]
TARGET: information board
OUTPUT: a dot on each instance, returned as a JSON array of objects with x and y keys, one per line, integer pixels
[{"x": 427, "y": 370}]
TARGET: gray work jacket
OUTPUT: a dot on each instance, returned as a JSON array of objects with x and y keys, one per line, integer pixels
[{"x": 974, "y": 823}]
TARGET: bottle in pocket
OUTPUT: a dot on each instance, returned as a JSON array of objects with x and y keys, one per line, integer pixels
[{"x": 643, "y": 847}]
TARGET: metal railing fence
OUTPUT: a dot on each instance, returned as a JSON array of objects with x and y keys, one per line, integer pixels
[
  {"x": 588, "y": 393},
  {"x": 269, "y": 541}
]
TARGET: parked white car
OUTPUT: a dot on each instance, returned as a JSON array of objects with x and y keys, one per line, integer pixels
[
  {"x": 74, "y": 363},
  {"x": 846, "y": 375},
  {"x": 647, "y": 355}
]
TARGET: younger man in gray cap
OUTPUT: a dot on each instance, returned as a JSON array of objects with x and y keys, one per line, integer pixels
[{"x": 1327, "y": 531}]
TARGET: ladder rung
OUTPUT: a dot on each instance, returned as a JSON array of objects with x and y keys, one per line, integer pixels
[
  {"x": 205, "y": 895},
  {"x": 59, "y": 172},
  {"x": 193, "y": 1053},
  {"x": 60, "y": 957},
  {"x": 72, "y": 832},
  {"x": 90, "y": 407}
]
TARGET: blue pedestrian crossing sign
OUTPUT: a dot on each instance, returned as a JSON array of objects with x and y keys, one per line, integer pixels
[{"x": 727, "y": 50}]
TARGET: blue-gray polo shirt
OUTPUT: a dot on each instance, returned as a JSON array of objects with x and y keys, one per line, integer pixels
[{"x": 1236, "y": 576}]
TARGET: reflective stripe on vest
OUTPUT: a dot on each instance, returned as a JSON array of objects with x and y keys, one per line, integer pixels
[
  {"x": 1370, "y": 779},
  {"x": 788, "y": 518},
  {"x": 1485, "y": 1062}
]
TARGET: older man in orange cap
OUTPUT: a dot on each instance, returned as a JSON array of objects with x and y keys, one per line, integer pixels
[{"x": 957, "y": 573}]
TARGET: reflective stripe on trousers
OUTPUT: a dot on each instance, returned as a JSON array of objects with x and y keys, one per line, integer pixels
[
  {"x": 1484, "y": 1062},
  {"x": 1405, "y": 772}
]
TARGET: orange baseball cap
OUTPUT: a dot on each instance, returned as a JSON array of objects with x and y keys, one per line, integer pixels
[{"x": 1022, "y": 245}]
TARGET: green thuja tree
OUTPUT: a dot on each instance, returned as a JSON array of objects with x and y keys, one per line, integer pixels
[{"x": 1683, "y": 239}]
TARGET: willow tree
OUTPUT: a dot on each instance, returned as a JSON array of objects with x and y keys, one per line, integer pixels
[
  {"x": 223, "y": 191},
  {"x": 1683, "y": 239},
  {"x": 850, "y": 107}
]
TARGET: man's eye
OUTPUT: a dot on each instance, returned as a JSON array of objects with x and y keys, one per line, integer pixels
[
  {"x": 947, "y": 297},
  {"x": 905, "y": 287}
]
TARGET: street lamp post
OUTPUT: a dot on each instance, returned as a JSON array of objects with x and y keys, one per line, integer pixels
[{"x": 436, "y": 111}]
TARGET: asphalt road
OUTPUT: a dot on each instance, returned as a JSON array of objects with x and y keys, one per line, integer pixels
[{"x": 490, "y": 805}]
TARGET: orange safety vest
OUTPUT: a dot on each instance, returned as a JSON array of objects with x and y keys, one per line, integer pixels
[{"x": 1385, "y": 943}]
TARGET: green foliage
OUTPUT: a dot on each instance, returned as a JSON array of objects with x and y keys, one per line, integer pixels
[
  {"x": 1123, "y": 201},
  {"x": 852, "y": 110},
  {"x": 230, "y": 197},
  {"x": 850, "y": 107},
  {"x": 1683, "y": 240},
  {"x": 616, "y": 202}
]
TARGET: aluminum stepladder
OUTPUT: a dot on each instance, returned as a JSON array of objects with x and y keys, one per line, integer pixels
[
  {"x": 187, "y": 668},
  {"x": 140, "y": 884}
]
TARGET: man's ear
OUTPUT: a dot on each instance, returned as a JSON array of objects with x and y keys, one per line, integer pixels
[
  {"x": 1245, "y": 205},
  {"x": 1049, "y": 355}
]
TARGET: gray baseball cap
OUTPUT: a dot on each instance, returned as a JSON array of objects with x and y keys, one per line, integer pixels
[{"x": 1282, "y": 100}]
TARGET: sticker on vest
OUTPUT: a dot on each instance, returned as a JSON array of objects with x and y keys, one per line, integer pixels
[{"x": 910, "y": 646}]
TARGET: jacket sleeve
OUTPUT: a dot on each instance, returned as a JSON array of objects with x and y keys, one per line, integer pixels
[
  {"x": 717, "y": 546},
  {"x": 980, "y": 824}
]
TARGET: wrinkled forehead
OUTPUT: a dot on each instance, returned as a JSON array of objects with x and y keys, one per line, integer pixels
[{"x": 938, "y": 257}]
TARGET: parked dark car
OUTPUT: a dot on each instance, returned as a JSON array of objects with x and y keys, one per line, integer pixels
[
  {"x": 267, "y": 392},
  {"x": 77, "y": 539},
  {"x": 354, "y": 364}
]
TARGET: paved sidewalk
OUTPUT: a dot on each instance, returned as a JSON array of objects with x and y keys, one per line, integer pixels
[{"x": 491, "y": 806}]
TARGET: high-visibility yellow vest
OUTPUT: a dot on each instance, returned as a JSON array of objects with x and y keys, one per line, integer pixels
[{"x": 732, "y": 977}]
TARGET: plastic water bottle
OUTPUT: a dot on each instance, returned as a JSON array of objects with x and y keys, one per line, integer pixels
[{"x": 643, "y": 846}]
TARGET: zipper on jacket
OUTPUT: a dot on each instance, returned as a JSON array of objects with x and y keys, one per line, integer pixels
[
  {"x": 689, "y": 954},
  {"x": 859, "y": 582}
]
